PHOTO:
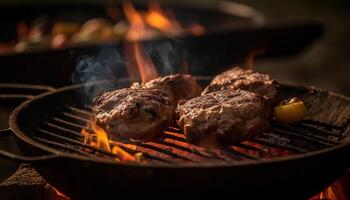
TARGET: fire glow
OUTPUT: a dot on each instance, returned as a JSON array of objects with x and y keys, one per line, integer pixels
[
  {"x": 145, "y": 24},
  {"x": 99, "y": 138},
  {"x": 128, "y": 24},
  {"x": 139, "y": 64}
]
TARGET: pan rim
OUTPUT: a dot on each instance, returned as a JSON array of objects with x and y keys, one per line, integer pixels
[{"x": 345, "y": 143}]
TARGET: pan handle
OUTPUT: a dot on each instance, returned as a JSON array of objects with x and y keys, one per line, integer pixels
[{"x": 19, "y": 158}]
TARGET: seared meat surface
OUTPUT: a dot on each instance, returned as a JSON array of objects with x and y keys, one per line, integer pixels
[
  {"x": 177, "y": 87},
  {"x": 133, "y": 113},
  {"x": 224, "y": 115},
  {"x": 237, "y": 78},
  {"x": 143, "y": 111}
]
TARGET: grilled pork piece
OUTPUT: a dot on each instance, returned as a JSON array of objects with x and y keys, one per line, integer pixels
[
  {"x": 225, "y": 115},
  {"x": 177, "y": 87},
  {"x": 143, "y": 111},
  {"x": 133, "y": 113},
  {"x": 237, "y": 78}
]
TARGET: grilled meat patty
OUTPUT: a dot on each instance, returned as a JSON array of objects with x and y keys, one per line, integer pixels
[
  {"x": 133, "y": 113},
  {"x": 143, "y": 111},
  {"x": 224, "y": 115},
  {"x": 237, "y": 78},
  {"x": 177, "y": 87}
]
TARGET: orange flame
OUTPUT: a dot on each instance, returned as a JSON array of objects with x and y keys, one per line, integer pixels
[
  {"x": 138, "y": 62},
  {"x": 123, "y": 155},
  {"x": 136, "y": 57},
  {"x": 137, "y": 29},
  {"x": 157, "y": 18},
  {"x": 103, "y": 142},
  {"x": 102, "y": 138}
]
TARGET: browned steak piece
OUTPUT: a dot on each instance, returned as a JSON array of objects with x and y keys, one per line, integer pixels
[
  {"x": 237, "y": 78},
  {"x": 225, "y": 115},
  {"x": 133, "y": 113},
  {"x": 177, "y": 86}
]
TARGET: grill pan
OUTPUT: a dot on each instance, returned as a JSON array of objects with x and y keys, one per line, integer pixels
[{"x": 289, "y": 162}]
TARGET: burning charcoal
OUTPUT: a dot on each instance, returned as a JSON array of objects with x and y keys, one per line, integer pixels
[{"x": 26, "y": 183}]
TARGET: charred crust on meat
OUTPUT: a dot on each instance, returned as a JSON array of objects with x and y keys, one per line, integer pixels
[
  {"x": 224, "y": 116},
  {"x": 143, "y": 111},
  {"x": 237, "y": 78}
]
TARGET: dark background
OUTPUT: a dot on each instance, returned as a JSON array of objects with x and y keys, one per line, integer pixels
[{"x": 325, "y": 64}]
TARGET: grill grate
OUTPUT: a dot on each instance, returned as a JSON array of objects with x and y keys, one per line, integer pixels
[{"x": 63, "y": 132}]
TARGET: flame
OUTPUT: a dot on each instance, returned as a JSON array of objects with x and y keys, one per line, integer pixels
[
  {"x": 102, "y": 141},
  {"x": 102, "y": 137},
  {"x": 138, "y": 61},
  {"x": 85, "y": 135},
  {"x": 141, "y": 25},
  {"x": 137, "y": 29},
  {"x": 157, "y": 18},
  {"x": 123, "y": 155}
]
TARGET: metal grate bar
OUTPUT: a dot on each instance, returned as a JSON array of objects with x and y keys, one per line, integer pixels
[
  {"x": 93, "y": 149},
  {"x": 318, "y": 123},
  {"x": 75, "y": 142},
  {"x": 175, "y": 136},
  {"x": 173, "y": 147},
  {"x": 79, "y": 118},
  {"x": 187, "y": 147},
  {"x": 81, "y": 111},
  {"x": 273, "y": 144},
  {"x": 66, "y": 147},
  {"x": 67, "y": 123},
  {"x": 252, "y": 148},
  {"x": 153, "y": 154},
  {"x": 304, "y": 137},
  {"x": 322, "y": 130},
  {"x": 65, "y": 130},
  {"x": 235, "y": 150},
  {"x": 300, "y": 129},
  {"x": 192, "y": 149},
  {"x": 172, "y": 151},
  {"x": 179, "y": 152}
]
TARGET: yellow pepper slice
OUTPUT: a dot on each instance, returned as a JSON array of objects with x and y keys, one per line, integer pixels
[{"x": 290, "y": 112}]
